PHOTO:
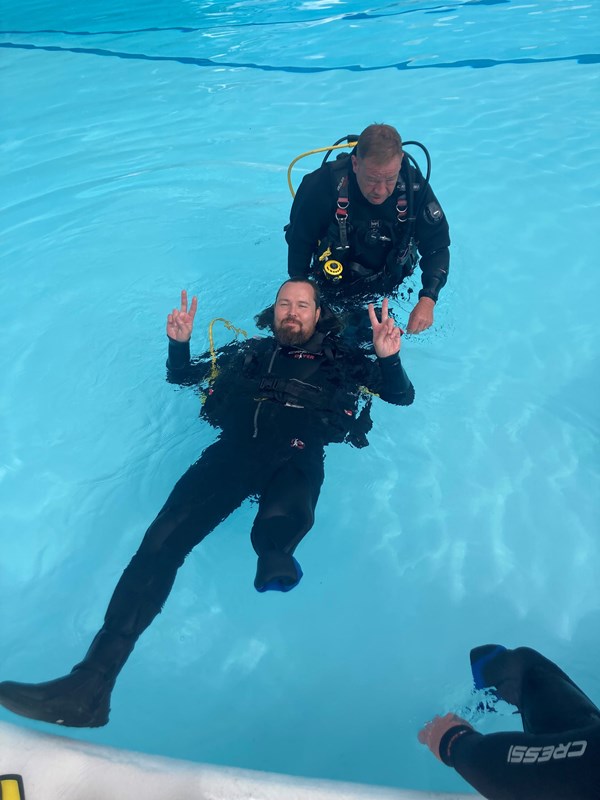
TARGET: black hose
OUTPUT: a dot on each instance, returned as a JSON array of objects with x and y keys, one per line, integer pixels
[{"x": 351, "y": 137}]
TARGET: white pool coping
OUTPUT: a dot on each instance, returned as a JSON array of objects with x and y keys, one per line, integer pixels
[{"x": 58, "y": 768}]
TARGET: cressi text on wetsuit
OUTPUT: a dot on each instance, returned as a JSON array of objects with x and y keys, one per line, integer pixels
[{"x": 558, "y": 755}]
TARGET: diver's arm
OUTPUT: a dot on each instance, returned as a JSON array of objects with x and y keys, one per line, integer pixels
[
  {"x": 299, "y": 258},
  {"x": 180, "y": 323},
  {"x": 395, "y": 386},
  {"x": 191, "y": 371},
  {"x": 433, "y": 242},
  {"x": 178, "y": 362},
  {"x": 310, "y": 215},
  {"x": 540, "y": 767},
  {"x": 184, "y": 370}
]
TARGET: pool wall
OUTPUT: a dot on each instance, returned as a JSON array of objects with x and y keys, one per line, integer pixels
[{"x": 53, "y": 767}]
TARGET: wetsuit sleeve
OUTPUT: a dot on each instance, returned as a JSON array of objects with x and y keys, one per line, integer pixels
[
  {"x": 395, "y": 385},
  {"x": 384, "y": 377},
  {"x": 311, "y": 214},
  {"x": 433, "y": 242},
  {"x": 502, "y": 766},
  {"x": 181, "y": 368}
]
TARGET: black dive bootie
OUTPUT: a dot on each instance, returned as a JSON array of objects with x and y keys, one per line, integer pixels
[
  {"x": 80, "y": 699},
  {"x": 279, "y": 572}
]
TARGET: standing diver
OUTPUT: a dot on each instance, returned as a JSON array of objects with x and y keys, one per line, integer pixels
[
  {"x": 277, "y": 402},
  {"x": 357, "y": 223}
]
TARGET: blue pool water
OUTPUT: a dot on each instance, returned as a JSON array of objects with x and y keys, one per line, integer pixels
[{"x": 145, "y": 150}]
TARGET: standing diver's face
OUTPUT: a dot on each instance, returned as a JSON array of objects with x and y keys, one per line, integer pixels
[
  {"x": 295, "y": 313},
  {"x": 376, "y": 180}
]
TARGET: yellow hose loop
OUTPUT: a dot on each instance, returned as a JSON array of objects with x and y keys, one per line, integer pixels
[
  {"x": 214, "y": 370},
  {"x": 310, "y": 153},
  {"x": 367, "y": 392}
]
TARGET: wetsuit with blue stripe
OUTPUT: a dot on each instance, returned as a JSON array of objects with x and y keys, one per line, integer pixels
[{"x": 557, "y": 757}]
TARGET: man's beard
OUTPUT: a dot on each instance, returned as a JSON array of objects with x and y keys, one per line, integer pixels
[{"x": 291, "y": 336}]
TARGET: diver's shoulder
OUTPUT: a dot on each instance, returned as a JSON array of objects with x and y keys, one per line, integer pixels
[{"x": 320, "y": 179}]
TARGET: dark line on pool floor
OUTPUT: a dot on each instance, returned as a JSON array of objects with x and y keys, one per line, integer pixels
[
  {"x": 477, "y": 63},
  {"x": 361, "y": 15}
]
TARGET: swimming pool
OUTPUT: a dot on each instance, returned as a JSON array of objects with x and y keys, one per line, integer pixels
[{"x": 145, "y": 150}]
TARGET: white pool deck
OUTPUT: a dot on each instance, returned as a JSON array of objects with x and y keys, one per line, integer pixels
[{"x": 58, "y": 768}]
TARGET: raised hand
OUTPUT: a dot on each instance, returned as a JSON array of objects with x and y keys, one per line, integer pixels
[
  {"x": 386, "y": 335},
  {"x": 180, "y": 321}
]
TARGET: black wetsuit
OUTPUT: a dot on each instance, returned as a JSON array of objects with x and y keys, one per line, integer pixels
[
  {"x": 558, "y": 755},
  {"x": 374, "y": 234},
  {"x": 277, "y": 407}
]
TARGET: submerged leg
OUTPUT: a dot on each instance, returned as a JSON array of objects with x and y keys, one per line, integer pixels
[
  {"x": 80, "y": 699},
  {"x": 286, "y": 514},
  {"x": 547, "y": 699},
  {"x": 199, "y": 501}
]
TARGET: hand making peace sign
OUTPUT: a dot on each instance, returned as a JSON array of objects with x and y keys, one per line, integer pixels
[
  {"x": 181, "y": 321},
  {"x": 386, "y": 335}
]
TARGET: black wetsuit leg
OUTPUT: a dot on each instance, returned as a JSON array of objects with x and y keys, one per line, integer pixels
[
  {"x": 208, "y": 492},
  {"x": 286, "y": 479},
  {"x": 286, "y": 512},
  {"x": 203, "y": 497},
  {"x": 290, "y": 493}
]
